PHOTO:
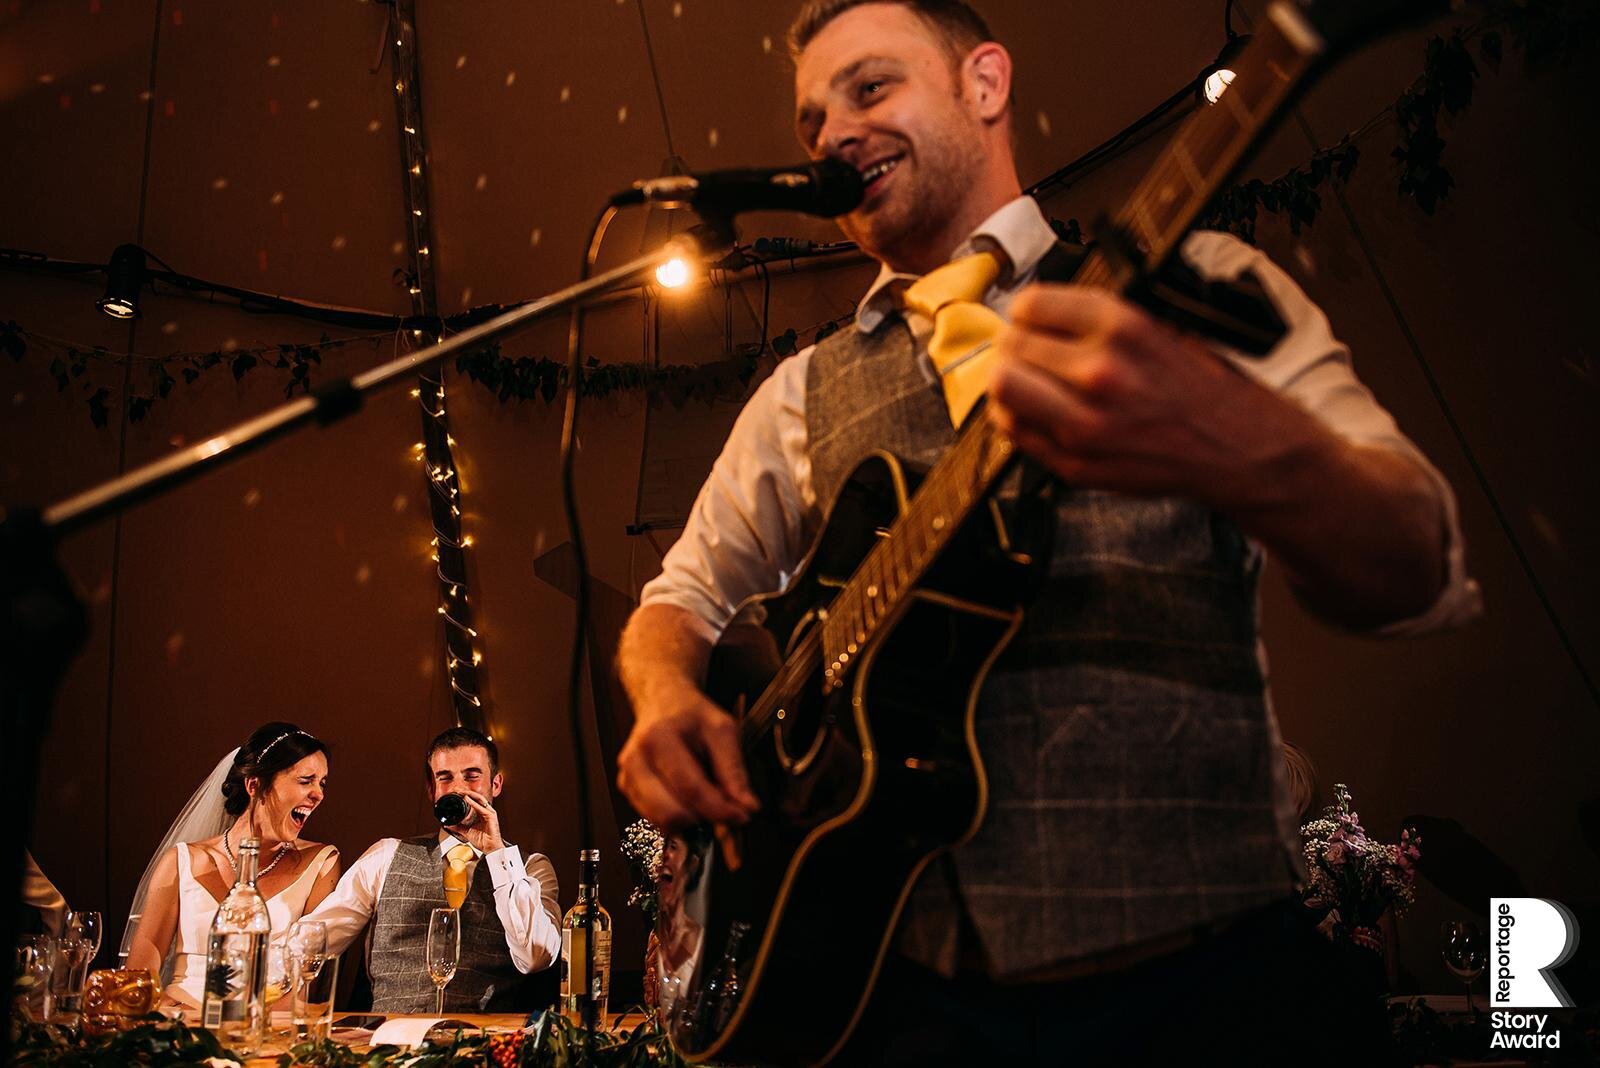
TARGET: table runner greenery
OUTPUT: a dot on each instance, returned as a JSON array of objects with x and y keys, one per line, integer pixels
[{"x": 553, "y": 1043}]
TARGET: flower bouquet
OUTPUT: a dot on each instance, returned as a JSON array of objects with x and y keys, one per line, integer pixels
[
  {"x": 1354, "y": 879},
  {"x": 642, "y": 844}
]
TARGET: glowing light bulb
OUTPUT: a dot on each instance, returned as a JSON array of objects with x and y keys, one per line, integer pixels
[
  {"x": 673, "y": 273},
  {"x": 1217, "y": 83}
]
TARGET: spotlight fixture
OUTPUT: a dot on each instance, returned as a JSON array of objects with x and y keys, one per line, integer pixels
[
  {"x": 673, "y": 273},
  {"x": 124, "y": 279},
  {"x": 1219, "y": 75}
]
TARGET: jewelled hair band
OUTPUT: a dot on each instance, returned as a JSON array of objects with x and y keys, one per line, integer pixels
[{"x": 263, "y": 754}]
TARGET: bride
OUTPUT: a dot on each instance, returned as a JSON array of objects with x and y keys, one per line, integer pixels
[{"x": 265, "y": 789}]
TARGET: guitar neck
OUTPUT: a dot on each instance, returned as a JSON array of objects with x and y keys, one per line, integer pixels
[
  {"x": 1189, "y": 172},
  {"x": 1207, "y": 149}
]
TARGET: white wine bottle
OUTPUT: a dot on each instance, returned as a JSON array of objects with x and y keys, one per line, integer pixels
[
  {"x": 586, "y": 949},
  {"x": 236, "y": 965}
]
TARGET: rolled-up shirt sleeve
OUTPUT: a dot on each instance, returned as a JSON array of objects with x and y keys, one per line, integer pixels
[
  {"x": 750, "y": 525},
  {"x": 526, "y": 900},
  {"x": 1313, "y": 368}
]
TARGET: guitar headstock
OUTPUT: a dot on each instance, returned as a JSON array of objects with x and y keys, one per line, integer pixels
[{"x": 1347, "y": 24}]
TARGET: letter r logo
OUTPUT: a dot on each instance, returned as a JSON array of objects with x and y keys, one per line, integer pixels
[{"x": 1531, "y": 937}]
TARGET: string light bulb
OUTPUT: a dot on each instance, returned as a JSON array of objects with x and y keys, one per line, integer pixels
[
  {"x": 124, "y": 279},
  {"x": 673, "y": 273},
  {"x": 1220, "y": 74}
]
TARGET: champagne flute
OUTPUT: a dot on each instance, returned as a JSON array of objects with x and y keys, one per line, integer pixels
[
  {"x": 444, "y": 950},
  {"x": 1465, "y": 953}
]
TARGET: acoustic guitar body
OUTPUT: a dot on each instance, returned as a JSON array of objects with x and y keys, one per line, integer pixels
[{"x": 859, "y": 789}]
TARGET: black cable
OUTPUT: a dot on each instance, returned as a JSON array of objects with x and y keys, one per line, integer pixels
[
  {"x": 766, "y": 305},
  {"x": 1227, "y": 20},
  {"x": 661, "y": 100},
  {"x": 1062, "y": 175},
  {"x": 569, "y": 501}
]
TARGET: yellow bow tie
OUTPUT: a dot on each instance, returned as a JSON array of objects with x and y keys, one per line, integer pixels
[
  {"x": 455, "y": 874},
  {"x": 963, "y": 328}
]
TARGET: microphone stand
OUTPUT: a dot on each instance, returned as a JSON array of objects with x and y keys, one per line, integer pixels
[{"x": 43, "y": 624}]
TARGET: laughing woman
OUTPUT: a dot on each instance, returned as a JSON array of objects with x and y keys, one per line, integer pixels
[{"x": 265, "y": 789}]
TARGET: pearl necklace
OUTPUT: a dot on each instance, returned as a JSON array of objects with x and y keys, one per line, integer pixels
[{"x": 283, "y": 851}]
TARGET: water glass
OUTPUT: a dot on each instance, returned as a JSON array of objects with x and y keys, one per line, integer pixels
[
  {"x": 444, "y": 950},
  {"x": 69, "y": 972},
  {"x": 313, "y": 998},
  {"x": 31, "y": 980}
]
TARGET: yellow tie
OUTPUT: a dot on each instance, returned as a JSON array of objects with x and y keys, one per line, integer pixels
[
  {"x": 455, "y": 874},
  {"x": 962, "y": 327}
]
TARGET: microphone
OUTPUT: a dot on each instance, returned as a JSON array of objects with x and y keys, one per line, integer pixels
[{"x": 827, "y": 187}]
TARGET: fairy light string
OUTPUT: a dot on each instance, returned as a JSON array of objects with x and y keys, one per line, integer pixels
[{"x": 435, "y": 452}]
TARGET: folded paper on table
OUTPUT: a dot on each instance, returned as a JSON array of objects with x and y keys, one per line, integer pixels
[{"x": 412, "y": 1031}]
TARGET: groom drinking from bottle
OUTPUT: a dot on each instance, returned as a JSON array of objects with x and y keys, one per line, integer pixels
[{"x": 509, "y": 923}]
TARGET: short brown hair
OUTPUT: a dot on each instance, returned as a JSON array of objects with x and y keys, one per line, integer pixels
[
  {"x": 463, "y": 738},
  {"x": 959, "y": 28}
]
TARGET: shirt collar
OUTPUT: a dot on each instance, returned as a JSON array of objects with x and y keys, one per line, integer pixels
[
  {"x": 1018, "y": 231},
  {"x": 448, "y": 841}
]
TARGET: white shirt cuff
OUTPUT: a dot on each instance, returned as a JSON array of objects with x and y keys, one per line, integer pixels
[{"x": 505, "y": 867}]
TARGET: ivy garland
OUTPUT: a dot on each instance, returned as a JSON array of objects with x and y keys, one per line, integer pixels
[
  {"x": 554, "y": 1042},
  {"x": 1545, "y": 32}
]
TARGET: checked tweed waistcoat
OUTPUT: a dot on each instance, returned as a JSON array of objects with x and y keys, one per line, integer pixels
[
  {"x": 1133, "y": 762},
  {"x": 485, "y": 979}
]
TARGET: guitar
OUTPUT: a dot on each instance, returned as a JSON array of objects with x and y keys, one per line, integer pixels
[{"x": 856, "y": 693}]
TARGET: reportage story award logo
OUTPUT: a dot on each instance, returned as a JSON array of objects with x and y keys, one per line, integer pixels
[{"x": 1532, "y": 937}]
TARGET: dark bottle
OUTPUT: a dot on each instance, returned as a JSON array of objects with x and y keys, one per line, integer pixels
[
  {"x": 722, "y": 989},
  {"x": 451, "y": 811}
]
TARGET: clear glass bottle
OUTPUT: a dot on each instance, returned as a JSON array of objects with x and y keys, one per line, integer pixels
[
  {"x": 586, "y": 984},
  {"x": 236, "y": 967}
]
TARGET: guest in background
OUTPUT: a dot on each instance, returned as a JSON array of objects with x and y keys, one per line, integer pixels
[
  {"x": 266, "y": 789},
  {"x": 1302, "y": 779},
  {"x": 510, "y": 919},
  {"x": 47, "y": 907}
]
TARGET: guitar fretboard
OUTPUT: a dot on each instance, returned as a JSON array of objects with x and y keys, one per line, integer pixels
[{"x": 1161, "y": 209}]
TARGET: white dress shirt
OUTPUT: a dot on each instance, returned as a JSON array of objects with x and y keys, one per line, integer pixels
[
  {"x": 757, "y": 513},
  {"x": 525, "y": 899}
]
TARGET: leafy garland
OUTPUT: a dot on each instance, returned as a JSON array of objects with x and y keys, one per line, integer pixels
[
  {"x": 1546, "y": 32},
  {"x": 507, "y": 377},
  {"x": 554, "y": 1042},
  {"x": 160, "y": 1042}
]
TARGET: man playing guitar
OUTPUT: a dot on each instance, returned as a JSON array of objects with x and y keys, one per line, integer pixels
[{"x": 1131, "y": 883}]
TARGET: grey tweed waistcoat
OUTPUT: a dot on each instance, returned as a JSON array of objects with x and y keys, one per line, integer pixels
[
  {"x": 485, "y": 979},
  {"x": 1132, "y": 758}
]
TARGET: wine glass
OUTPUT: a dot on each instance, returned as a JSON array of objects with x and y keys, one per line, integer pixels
[
  {"x": 1465, "y": 953},
  {"x": 308, "y": 944},
  {"x": 444, "y": 950},
  {"x": 85, "y": 926}
]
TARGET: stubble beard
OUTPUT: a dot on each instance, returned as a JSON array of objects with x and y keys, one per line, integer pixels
[{"x": 919, "y": 210}]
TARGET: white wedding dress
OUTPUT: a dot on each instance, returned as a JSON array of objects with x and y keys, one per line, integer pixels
[{"x": 197, "y": 908}]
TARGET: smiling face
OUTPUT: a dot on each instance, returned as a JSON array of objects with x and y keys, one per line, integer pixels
[
  {"x": 465, "y": 769},
  {"x": 878, "y": 88},
  {"x": 295, "y": 792}
]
